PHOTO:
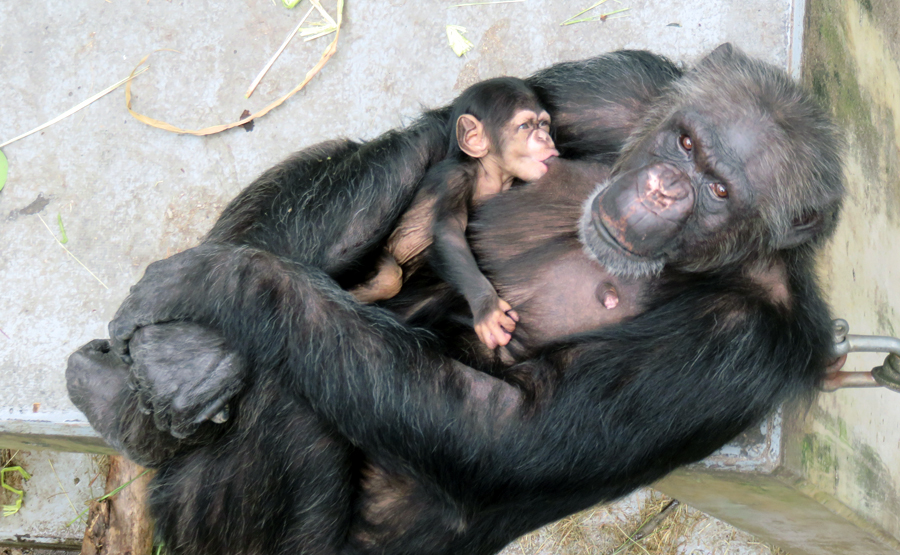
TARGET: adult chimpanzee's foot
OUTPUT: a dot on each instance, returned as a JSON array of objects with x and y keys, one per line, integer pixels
[
  {"x": 190, "y": 371},
  {"x": 184, "y": 374},
  {"x": 97, "y": 381}
]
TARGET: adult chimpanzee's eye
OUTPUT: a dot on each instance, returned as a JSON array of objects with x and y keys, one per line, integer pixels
[
  {"x": 686, "y": 143},
  {"x": 719, "y": 189},
  {"x": 526, "y": 125}
]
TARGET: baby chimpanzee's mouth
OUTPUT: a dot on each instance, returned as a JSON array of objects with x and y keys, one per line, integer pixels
[{"x": 548, "y": 160}]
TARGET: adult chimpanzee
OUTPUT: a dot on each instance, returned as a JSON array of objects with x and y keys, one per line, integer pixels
[
  {"x": 501, "y": 134},
  {"x": 353, "y": 432}
]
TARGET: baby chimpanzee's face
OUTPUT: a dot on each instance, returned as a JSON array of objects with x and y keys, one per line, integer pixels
[{"x": 526, "y": 146}]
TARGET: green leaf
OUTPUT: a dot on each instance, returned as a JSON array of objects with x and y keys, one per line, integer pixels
[
  {"x": 62, "y": 230},
  {"x": 4, "y": 168},
  {"x": 459, "y": 43},
  {"x": 290, "y": 3}
]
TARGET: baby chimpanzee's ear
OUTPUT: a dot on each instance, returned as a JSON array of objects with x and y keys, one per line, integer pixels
[{"x": 472, "y": 137}]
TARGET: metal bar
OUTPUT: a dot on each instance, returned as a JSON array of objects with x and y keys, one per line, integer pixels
[{"x": 886, "y": 375}]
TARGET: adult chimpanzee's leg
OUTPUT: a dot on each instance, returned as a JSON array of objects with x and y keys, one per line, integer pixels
[
  {"x": 729, "y": 359},
  {"x": 275, "y": 483},
  {"x": 273, "y": 461}
]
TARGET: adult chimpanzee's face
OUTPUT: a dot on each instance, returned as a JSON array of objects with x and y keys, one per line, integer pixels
[
  {"x": 680, "y": 193},
  {"x": 526, "y": 146}
]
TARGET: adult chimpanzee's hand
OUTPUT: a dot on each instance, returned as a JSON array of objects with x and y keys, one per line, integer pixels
[
  {"x": 184, "y": 374},
  {"x": 154, "y": 299}
]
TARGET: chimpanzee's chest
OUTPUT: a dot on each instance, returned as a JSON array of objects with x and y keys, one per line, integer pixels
[{"x": 572, "y": 294}]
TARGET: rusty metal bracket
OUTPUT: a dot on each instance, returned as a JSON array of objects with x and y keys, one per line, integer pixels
[{"x": 887, "y": 375}]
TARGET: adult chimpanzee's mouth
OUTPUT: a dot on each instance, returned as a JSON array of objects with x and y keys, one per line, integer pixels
[
  {"x": 600, "y": 244},
  {"x": 604, "y": 233}
]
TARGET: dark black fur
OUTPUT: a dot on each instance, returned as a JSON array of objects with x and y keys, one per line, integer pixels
[{"x": 353, "y": 434}]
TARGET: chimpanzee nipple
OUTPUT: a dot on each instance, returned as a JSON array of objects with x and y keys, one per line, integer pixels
[{"x": 608, "y": 295}]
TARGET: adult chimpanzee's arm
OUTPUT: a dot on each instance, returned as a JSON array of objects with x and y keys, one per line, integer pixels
[
  {"x": 635, "y": 401},
  {"x": 661, "y": 390},
  {"x": 332, "y": 203},
  {"x": 597, "y": 103},
  {"x": 328, "y": 205}
]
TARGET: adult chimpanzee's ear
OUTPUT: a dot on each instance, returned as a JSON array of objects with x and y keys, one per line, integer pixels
[
  {"x": 803, "y": 229},
  {"x": 471, "y": 136},
  {"x": 722, "y": 52}
]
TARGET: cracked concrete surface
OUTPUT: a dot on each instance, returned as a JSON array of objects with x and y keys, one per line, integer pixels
[{"x": 129, "y": 194}]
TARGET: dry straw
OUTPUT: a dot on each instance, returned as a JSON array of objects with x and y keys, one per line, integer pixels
[{"x": 329, "y": 52}]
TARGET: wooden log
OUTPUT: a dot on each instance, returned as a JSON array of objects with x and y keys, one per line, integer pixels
[{"x": 120, "y": 524}]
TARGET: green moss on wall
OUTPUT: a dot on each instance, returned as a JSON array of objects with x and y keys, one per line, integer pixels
[
  {"x": 832, "y": 73},
  {"x": 817, "y": 455},
  {"x": 829, "y": 70}
]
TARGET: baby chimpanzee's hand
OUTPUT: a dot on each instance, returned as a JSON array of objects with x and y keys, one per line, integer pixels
[{"x": 495, "y": 327}]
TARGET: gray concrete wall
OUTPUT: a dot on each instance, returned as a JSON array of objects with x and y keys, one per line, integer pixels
[{"x": 848, "y": 444}]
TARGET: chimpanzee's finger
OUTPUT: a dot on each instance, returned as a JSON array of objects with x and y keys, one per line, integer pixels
[
  {"x": 492, "y": 340},
  {"x": 483, "y": 334},
  {"x": 506, "y": 323},
  {"x": 501, "y": 336},
  {"x": 119, "y": 335},
  {"x": 142, "y": 396}
]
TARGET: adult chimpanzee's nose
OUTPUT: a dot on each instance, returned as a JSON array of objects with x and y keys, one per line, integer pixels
[{"x": 662, "y": 186}]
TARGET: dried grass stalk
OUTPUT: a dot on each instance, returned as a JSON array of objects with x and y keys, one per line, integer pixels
[
  {"x": 284, "y": 44},
  {"x": 74, "y": 109},
  {"x": 329, "y": 52}
]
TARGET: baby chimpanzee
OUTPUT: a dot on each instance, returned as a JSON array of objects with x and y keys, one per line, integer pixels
[{"x": 502, "y": 133}]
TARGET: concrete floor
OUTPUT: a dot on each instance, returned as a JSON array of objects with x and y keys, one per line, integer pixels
[{"x": 129, "y": 194}]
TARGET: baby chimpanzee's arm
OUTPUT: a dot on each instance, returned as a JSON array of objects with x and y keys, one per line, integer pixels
[{"x": 493, "y": 318}]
